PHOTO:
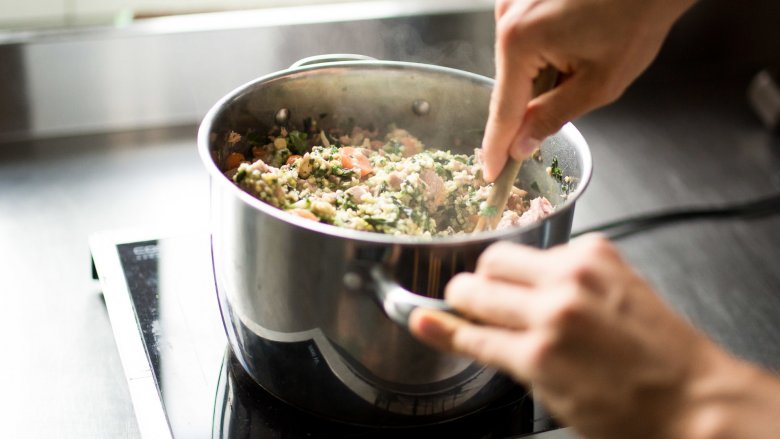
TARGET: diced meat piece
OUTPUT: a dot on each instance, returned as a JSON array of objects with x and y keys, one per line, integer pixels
[
  {"x": 515, "y": 200},
  {"x": 329, "y": 197},
  {"x": 357, "y": 136},
  {"x": 434, "y": 188},
  {"x": 463, "y": 178},
  {"x": 538, "y": 209},
  {"x": 323, "y": 209},
  {"x": 233, "y": 137},
  {"x": 478, "y": 157},
  {"x": 483, "y": 192},
  {"x": 259, "y": 165},
  {"x": 303, "y": 213},
  {"x": 394, "y": 179},
  {"x": 324, "y": 139},
  {"x": 412, "y": 145},
  {"x": 304, "y": 169},
  {"x": 357, "y": 193},
  {"x": 397, "y": 133},
  {"x": 508, "y": 219}
]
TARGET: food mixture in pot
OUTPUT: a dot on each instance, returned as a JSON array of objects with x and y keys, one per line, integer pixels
[{"x": 360, "y": 180}]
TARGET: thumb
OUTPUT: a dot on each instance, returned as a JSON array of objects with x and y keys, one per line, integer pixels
[
  {"x": 508, "y": 102},
  {"x": 548, "y": 112}
]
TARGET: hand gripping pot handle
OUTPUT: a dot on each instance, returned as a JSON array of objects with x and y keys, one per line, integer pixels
[
  {"x": 397, "y": 302},
  {"x": 330, "y": 57}
]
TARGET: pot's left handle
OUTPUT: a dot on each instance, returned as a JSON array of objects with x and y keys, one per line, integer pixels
[
  {"x": 330, "y": 57},
  {"x": 397, "y": 302}
]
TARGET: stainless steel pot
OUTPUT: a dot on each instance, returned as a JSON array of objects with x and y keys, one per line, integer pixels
[{"x": 316, "y": 314}]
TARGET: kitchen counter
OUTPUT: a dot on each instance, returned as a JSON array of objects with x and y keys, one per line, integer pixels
[{"x": 669, "y": 142}]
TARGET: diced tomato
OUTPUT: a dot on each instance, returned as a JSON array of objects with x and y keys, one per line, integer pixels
[
  {"x": 292, "y": 159},
  {"x": 303, "y": 213},
  {"x": 352, "y": 158},
  {"x": 233, "y": 160}
]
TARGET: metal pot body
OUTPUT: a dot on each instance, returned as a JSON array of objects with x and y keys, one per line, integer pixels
[{"x": 307, "y": 306}]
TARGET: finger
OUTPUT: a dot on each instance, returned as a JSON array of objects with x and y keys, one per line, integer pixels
[
  {"x": 504, "y": 349},
  {"x": 497, "y": 347},
  {"x": 491, "y": 302},
  {"x": 548, "y": 112},
  {"x": 501, "y": 7},
  {"x": 516, "y": 263},
  {"x": 516, "y": 67},
  {"x": 434, "y": 328},
  {"x": 507, "y": 106}
]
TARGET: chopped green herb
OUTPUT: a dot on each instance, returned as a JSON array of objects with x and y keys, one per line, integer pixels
[
  {"x": 555, "y": 170},
  {"x": 488, "y": 210},
  {"x": 297, "y": 142},
  {"x": 253, "y": 137}
]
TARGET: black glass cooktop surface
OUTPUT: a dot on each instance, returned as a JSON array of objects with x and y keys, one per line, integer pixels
[{"x": 184, "y": 380}]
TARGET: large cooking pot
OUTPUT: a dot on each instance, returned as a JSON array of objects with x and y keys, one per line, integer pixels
[{"x": 316, "y": 314}]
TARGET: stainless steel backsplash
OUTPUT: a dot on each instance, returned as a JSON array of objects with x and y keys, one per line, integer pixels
[
  {"x": 171, "y": 71},
  {"x": 160, "y": 73}
]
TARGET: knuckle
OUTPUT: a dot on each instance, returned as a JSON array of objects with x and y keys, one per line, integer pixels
[
  {"x": 541, "y": 351},
  {"x": 461, "y": 283},
  {"x": 580, "y": 273},
  {"x": 507, "y": 31},
  {"x": 545, "y": 120},
  {"x": 501, "y": 7},
  {"x": 493, "y": 256},
  {"x": 582, "y": 279},
  {"x": 597, "y": 247},
  {"x": 567, "y": 312},
  {"x": 517, "y": 25},
  {"x": 489, "y": 257}
]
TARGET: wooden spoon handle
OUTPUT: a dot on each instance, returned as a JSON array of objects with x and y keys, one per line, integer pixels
[{"x": 496, "y": 202}]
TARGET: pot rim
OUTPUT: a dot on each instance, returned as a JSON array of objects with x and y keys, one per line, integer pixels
[{"x": 217, "y": 177}]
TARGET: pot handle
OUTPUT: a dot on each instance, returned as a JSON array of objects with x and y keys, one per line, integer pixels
[
  {"x": 330, "y": 57},
  {"x": 397, "y": 302}
]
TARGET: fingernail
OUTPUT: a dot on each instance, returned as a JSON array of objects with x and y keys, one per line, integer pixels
[
  {"x": 432, "y": 329},
  {"x": 524, "y": 147},
  {"x": 487, "y": 175}
]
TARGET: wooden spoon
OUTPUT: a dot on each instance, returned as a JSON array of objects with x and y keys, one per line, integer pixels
[{"x": 502, "y": 187}]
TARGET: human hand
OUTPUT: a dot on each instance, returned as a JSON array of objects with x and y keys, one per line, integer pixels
[
  {"x": 599, "y": 347},
  {"x": 599, "y": 47}
]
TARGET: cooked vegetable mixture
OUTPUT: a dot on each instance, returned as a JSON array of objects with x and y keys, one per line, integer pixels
[{"x": 358, "y": 180}]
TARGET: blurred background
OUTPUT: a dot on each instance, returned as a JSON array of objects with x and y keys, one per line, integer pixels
[
  {"x": 100, "y": 101},
  {"x": 21, "y": 14}
]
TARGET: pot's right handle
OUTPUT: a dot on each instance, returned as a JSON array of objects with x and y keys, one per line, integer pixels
[
  {"x": 330, "y": 57},
  {"x": 398, "y": 302}
]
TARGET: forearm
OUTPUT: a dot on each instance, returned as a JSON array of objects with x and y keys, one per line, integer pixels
[{"x": 732, "y": 399}]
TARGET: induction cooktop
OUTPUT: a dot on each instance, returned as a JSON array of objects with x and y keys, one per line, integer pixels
[{"x": 185, "y": 382}]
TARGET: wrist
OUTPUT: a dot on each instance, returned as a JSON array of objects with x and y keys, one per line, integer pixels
[{"x": 728, "y": 398}]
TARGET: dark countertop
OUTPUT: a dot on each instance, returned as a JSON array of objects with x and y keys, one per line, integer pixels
[
  {"x": 666, "y": 143},
  {"x": 678, "y": 145}
]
